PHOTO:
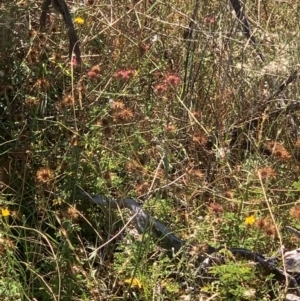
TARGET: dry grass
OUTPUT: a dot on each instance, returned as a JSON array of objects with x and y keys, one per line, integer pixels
[{"x": 173, "y": 108}]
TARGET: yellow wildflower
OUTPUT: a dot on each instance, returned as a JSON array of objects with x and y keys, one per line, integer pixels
[
  {"x": 135, "y": 282},
  {"x": 79, "y": 20},
  {"x": 5, "y": 212},
  {"x": 250, "y": 220}
]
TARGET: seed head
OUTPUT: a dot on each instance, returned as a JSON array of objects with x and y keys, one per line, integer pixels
[
  {"x": 295, "y": 212},
  {"x": 44, "y": 175},
  {"x": 216, "y": 208},
  {"x": 125, "y": 74},
  {"x": 267, "y": 173},
  {"x": 277, "y": 150}
]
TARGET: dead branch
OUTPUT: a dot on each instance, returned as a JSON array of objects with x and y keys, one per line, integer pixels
[
  {"x": 239, "y": 11},
  {"x": 61, "y": 7}
]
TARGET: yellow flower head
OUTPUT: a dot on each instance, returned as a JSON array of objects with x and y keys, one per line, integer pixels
[
  {"x": 250, "y": 220},
  {"x": 135, "y": 282},
  {"x": 79, "y": 20},
  {"x": 5, "y": 212}
]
